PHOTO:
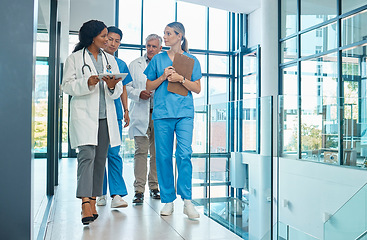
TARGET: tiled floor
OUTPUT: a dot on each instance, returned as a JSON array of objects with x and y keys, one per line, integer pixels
[{"x": 140, "y": 222}]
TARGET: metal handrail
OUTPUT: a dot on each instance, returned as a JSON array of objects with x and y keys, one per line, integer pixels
[{"x": 362, "y": 235}]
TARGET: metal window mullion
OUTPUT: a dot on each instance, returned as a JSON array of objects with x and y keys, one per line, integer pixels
[
  {"x": 141, "y": 27},
  {"x": 340, "y": 92},
  {"x": 299, "y": 90}
]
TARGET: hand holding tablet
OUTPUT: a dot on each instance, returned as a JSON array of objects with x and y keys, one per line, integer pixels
[
  {"x": 112, "y": 79},
  {"x": 117, "y": 75}
]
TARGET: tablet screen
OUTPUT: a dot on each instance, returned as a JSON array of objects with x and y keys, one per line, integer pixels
[{"x": 117, "y": 75}]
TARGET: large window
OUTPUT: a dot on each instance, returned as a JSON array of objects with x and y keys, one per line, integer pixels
[{"x": 330, "y": 87}]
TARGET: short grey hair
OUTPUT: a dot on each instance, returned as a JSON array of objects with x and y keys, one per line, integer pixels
[{"x": 152, "y": 37}]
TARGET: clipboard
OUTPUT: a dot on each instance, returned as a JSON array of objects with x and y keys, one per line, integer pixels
[{"x": 184, "y": 66}]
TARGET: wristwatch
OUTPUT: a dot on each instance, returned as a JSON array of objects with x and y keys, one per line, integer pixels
[{"x": 183, "y": 80}]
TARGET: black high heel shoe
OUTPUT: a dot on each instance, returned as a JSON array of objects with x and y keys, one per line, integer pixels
[
  {"x": 89, "y": 219},
  {"x": 95, "y": 215}
]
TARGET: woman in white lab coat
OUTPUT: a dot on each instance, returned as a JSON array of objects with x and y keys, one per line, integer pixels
[{"x": 93, "y": 122}]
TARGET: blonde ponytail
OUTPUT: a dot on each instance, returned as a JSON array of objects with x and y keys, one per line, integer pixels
[{"x": 185, "y": 44}]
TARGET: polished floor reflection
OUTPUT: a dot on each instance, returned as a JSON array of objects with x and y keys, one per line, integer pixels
[{"x": 140, "y": 222}]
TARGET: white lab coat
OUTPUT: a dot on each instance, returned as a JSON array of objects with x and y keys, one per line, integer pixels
[
  {"x": 84, "y": 105},
  {"x": 139, "y": 108}
]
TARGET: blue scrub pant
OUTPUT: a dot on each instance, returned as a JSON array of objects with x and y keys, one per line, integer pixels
[
  {"x": 164, "y": 137},
  {"x": 115, "y": 180}
]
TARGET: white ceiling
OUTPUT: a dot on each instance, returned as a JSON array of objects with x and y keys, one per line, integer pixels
[{"x": 237, "y": 6}]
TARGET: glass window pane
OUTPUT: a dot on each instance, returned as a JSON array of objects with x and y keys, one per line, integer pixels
[
  {"x": 128, "y": 55},
  {"x": 318, "y": 102},
  {"x": 319, "y": 40},
  {"x": 218, "y": 30},
  {"x": 289, "y": 49},
  {"x": 315, "y": 12},
  {"x": 289, "y": 17},
  {"x": 200, "y": 99},
  {"x": 289, "y": 125},
  {"x": 354, "y": 79},
  {"x": 354, "y": 28},
  {"x": 348, "y": 5},
  {"x": 202, "y": 60},
  {"x": 249, "y": 124},
  {"x": 41, "y": 107},
  {"x": 319, "y": 76},
  {"x": 218, "y": 128},
  {"x": 73, "y": 40},
  {"x": 130, "y": 21},
  {"x": 250, "y": 86},
  {"x": 200, "y": 129},
  {"x": 250, "y": 63},
  {"x": 219, "y": 64},
  {"x": 156, "y": 18},
  {"x": 290, "y": 82},
  {"x": 218, "y": 90},
  {"x": 195, "y": 27}
]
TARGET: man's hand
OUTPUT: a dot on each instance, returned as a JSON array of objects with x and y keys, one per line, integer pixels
[{"x": 145, "y": 94}]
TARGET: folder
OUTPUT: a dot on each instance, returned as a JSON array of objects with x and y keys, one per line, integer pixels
[{"x": 184, "y": 66}]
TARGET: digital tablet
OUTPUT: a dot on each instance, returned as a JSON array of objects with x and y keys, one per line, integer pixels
[{"x": 117, "y": 75}]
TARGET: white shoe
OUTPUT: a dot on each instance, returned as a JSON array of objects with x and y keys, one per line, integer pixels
[
  {"x": 118, "y": 202},
  {"x": 102, "y": 200},
  {"x": 167, "y": 209},
  {"x": 190, "y": 210}
]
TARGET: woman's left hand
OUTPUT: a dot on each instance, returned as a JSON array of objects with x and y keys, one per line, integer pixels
[
  {"x": 111, "y": 81},
  {"x": 175, "y": 77}
]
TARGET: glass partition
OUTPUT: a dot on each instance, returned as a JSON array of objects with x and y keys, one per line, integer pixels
[
  {"x": 350, "y": 221},
  {"x": 234, "y": 187}
]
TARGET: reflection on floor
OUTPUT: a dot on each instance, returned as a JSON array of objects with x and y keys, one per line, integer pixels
[{"x": 141, "y": 222}]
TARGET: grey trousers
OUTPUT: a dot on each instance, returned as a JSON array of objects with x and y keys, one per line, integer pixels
[
  {"x": 91, "y": 164},
  {"x": 142, "y": 144}
]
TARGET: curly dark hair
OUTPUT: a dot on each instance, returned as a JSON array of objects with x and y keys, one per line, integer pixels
[{"x": 87, "y": 32}]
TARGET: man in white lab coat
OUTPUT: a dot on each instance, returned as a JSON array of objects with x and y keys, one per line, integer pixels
[{"x": 141, "y": 124}]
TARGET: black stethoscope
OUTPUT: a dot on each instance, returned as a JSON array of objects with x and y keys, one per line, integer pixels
[{"x": 90, "y": 70}]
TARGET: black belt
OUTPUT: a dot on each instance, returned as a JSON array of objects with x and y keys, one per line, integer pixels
[{"x": 151, "y": 110}]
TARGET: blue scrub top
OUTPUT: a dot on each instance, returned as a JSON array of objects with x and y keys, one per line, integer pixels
[
  {"x": 123, "y": 69},
  {"x": 168, "y": 104}
]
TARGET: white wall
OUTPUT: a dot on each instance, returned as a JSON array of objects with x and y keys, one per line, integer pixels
[
  {"x": 313, "y": 189},
  {"x": 85, "y": 10},
  {"x": 254, "y": 28}
]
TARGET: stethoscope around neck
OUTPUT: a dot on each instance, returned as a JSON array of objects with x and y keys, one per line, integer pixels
[{"x": 90, "y": 70}]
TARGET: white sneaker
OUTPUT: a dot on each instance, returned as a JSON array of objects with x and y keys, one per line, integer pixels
[
  {"x": 102, "y": 200},
  {"x": 167, "y": 209},
  {"x": 190, "y": 210},
  {"x": 118, "y": 202}
]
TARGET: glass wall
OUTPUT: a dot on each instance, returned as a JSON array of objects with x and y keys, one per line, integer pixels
[
  {"x": 330, "y": 63},
  {"x": 321, "y": 119}
]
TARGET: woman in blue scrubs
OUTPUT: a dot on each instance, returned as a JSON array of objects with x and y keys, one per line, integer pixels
[{"x": 173, "y": 114}]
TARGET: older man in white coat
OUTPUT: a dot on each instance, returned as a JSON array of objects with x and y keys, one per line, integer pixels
[{"x": 141, "y": 124}]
